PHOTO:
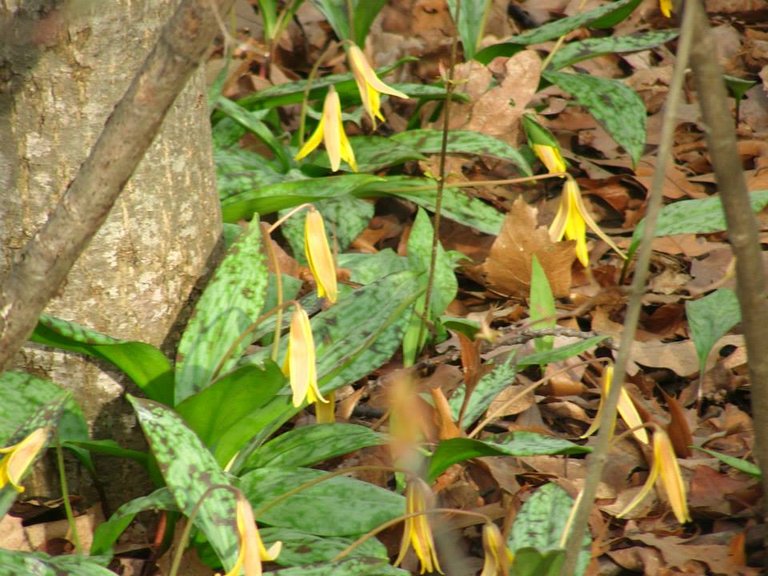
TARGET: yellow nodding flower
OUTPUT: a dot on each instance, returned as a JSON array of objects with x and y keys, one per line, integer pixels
[
  {"x": 666, "y": 468},
  {"x": 544, "y": 145},
  {"x": 666, "y": 7},
  {"x": 19, "y": 457},
  {"x": 572, "y": 219},
  {"x": 330, "y": 130},
  {"x": 369, "y": 84},
  {"x": 417, "y": 532},
  {"x": 626, "y": 409},
  {"x": 319, "y": 256},
  {"x": 498, "y": 557},
  {"x": 252, "y": 549},
  {"x": 300, "y": 360}
]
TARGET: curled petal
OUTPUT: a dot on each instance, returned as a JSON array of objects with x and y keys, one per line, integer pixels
[
  {"x": 19, "y": 457},
  {"x": 330, "y": 130},
  {"x": 300, "y": 360},
  {"x": 498, "y": 558},
  {"x": 369, "y": 84},
  {"x": 252, "y": 549},
  {"x": 319, "y": 256},
  {"x": 417, "y": 532}
]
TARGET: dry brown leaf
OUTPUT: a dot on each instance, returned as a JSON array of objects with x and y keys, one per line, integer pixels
[{"x": 508, "y": 267}]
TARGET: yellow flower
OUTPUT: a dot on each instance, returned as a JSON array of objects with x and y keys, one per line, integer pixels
[
  {"x": 319, "y": 256},
  {"x": 666, "y": 7},
  {"x": 572, "y": 219},
  {"x": 300, "y": 360},
  {"x": 498, "y": 558},
  {"x": 543, "y": 145},
  {"x": 417, "y": 532},
  {"x": 626, "y": 409},
  {"x": 252, "y": 549},
  {"x": 664, "y": 466},
  {"x": 331, "y": 131},
  {"x": 369, "y": 85},
  {"x": 19, "y": 457}
]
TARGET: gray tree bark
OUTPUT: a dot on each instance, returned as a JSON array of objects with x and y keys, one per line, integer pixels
[{"x": 63, "y": 67}]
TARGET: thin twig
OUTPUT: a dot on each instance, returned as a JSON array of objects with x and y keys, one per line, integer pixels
[{"x": 596, "y": 460}]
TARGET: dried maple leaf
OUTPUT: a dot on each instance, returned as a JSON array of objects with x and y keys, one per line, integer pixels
[{"x": 508, "y": 267}]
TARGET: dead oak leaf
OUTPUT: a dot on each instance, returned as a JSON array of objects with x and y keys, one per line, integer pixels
[{"x": 508, "y": 266}]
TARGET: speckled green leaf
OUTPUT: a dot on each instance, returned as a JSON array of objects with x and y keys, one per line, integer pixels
[
  {"x": 374, "y": 153},
  {"x": 614, "y": 104},
  {"x": 541, "y": 522},
  {"x": 367, "y": 268},
  {"x": 352, "y": 338},
  {"x": 339, "y": 506},
  {"x": 486, "y": 390},
  {"x": 300, "y": 548},
  {"x": 232, "y": 301},
  {"x": 710, "y": 318},
  {"x": 457, "y": 204},
  {"x": 345, "y": 218},
  {"x": 559, "y": 354},
  {"x": 13, "y": 563},
  {"x": 312, "y": 444},
  {"x": 107, "y": 533},
  {"x": 38, "y": 414},
  {"x": 189, "y": 471},
  {"x": 28, "y": 402},
  {"x": 449, "y": 452},
  {"x": 701, "y": 216},
  {"x": 222, "y": 414},
  {"x": 274, "y": 197},
  {"x": 357, "y": 566},
  {"x": 240, "y": 171},
  {"x": 144, "y": 364},
  {"x": 576, "y": 51},
  {"x": 601, "y": 16},
  {"x": 463, "y": 142}
]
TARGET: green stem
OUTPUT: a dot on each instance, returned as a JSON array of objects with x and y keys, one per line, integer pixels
[{"x": 65, "y": 496}]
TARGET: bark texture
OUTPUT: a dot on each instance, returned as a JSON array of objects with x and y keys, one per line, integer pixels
[{"x": 63, "y": 67}]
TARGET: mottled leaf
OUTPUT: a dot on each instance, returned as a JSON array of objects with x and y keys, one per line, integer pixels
[
  {"x": 614, "y": 104},
  {"x": 301, "y": 548},
  {"x": 541, "y": 522},
  {"x": 710, "y": 318},
  {"x": 190, "y": 471},
  {"x": 559, "y": 354},
  {"x": 232, "y": 301},
  {"x": 454, "y": 450},
  {"x": 144, "y": 364},
  {"x": 463, "y": 142},
  {"x": 312, "y": 444},
  {"x": 574, "y": 52},
  {"x": 339, "y": 506},
  {"x": 374, "y": 153},
  {"x": 367, "y": 268},
  {"x": 13, "y": 563},
  {"x": 356, "y": 566}
]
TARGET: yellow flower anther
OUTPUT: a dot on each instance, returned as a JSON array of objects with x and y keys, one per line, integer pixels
[
  {"x": 665, "y": 468},
  {"x": 369, "y": 84},
  {"x": 626, "y": 409},
  {"x": 19, "y": 457},
  {"x": 330, "y": 130},
  {"x": 572, "y": 219},
  {"x": 417, "y": 531},
  {"x": 300, "y": 360},
  {"x": 498, "y": 557},
  {"x": 319, "y": 256},
  {"x": 252, "y": 550}
]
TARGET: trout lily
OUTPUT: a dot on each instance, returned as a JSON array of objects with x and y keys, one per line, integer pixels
[
  {"x": 330, "y": 130},
  {"x": 319, "y": 256},
  {"x": 626, "y": 409},
  {"x": 666, "y": 469},
  {"x": 368, "y": 83},
  {"x": 19, "y": 457},
  {"x": 252, "y": 550},
  {"x": 498, "y": 558},
  {"x": 544, "y": 145},
  {"x": 417, "y": 532},
  {"x": 572, "y": 219},
  {"x": 300, "y": 364}
]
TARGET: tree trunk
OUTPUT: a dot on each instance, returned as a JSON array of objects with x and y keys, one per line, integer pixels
[{"x": 63, "y": 67}]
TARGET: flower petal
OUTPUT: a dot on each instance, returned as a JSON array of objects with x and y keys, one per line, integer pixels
[
  {"x": 319, "y": 256},
  {"x": 20, "y": 457},
  {"x": 671, "y": 478},
  {"x": 300, "y": 359}
]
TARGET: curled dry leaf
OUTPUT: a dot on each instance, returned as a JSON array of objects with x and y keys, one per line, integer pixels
[{"x": 508, "y": 267}]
